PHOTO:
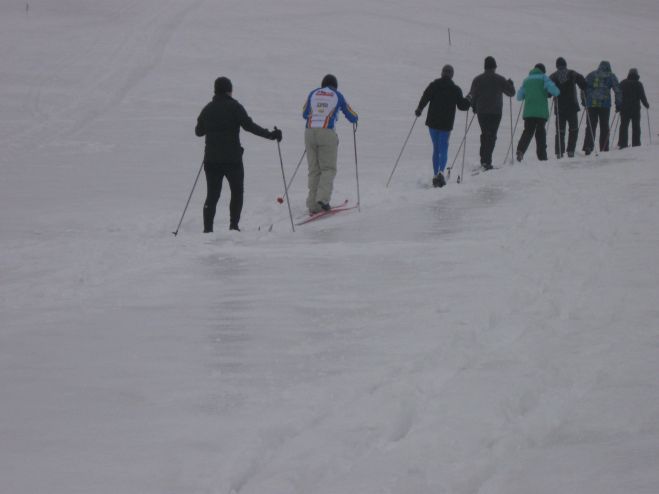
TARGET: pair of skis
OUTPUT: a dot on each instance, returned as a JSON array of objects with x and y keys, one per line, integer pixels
[{"x": 324, "y": 214}]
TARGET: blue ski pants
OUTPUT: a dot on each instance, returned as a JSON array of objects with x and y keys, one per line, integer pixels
[{"x": 439, "y": 149}]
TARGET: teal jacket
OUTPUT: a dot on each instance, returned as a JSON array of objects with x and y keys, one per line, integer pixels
[{"x": 534, "y": 92}]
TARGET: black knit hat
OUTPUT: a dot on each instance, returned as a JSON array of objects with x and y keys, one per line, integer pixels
[
  {"x": 330, "y": 81},
  {"x": 223, "y": 85},
  {"x": 447, "y": 71},
  {"x": 561, "y": 63},
  {"x": 541, "y": 66},
  {"x": 490, "y": 63}
]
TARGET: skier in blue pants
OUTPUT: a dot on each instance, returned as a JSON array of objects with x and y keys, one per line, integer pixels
[
  {"x": 439, "y": 149},
  {"x": 444, "y": 97}
]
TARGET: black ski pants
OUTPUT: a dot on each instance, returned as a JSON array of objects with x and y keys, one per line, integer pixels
[
  {"x": 215, "y": 173},
  {"x": 625, "y": 119},
  {"x": 571, "y": 121},
  {"x": 594, "y": 116},
  {"x": 489, "y": 124},
  {"x": 534, "y": 126}
]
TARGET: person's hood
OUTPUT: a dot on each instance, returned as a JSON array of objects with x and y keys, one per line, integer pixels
[
  {"x": 445, "y": 82},
  {"x": 562, "y": 75},
  {"x": 604, "y": 67}
]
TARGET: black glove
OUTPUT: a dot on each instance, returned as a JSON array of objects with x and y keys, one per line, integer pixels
[
  {"x": 275, "y": 135},
  {"x": 417, "y": 112}
]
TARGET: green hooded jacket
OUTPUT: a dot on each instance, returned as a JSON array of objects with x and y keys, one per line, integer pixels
[{"x": 534, "y": 92}]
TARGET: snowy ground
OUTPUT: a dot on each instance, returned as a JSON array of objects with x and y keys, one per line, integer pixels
[{"x": 500, "y": 336}]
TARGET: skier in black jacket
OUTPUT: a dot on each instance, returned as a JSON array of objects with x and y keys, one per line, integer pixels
[
  {"x": 567, "y": 107},
  {"x": 220, "y": 121},
  {"x": 633, "y": 94},
  {"x": 486, "y": 99},
  {"x": 444, "y": 96}
]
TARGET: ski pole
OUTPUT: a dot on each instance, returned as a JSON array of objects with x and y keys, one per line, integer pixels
[
  {"x": 616, "y": 121},
  {"x": 560, "y": 137},
  {"x": 448, "y": 169},
  {"x": 464, "y": 148},
  {"x": 354, "y": 138},
  {"x": 580, "y": 122},
  {"x": 551, "y": 110},
  {"x": 608, "y": 132},
  {"x": 647, "y": 111},
  {"x": 519, "y": 114},
  {"x": 510, "y": 104},
  {"x": 175, "y": 233},
  {"x": 283, "y": 176},
  {"x": 280, "y": 199},
  {"x": 401, "y": 151},
  {"x": 589, "y": 127},
  {"x": 464, "y": 152}
]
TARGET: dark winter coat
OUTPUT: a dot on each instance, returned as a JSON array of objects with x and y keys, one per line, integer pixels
[
  {"x": 444, "y": 96},
  {"x": 486, "y": 92},
  {"x": 599, "y": 84},
  {"x": 633, "y": 94},
  {"x": 220, "y": 121},
  {"x": 567, "y": 81}
]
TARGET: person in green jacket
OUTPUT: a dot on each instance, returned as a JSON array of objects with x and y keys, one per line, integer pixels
[{"x": 535, "y": 90}]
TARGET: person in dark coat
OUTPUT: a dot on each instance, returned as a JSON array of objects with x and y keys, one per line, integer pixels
[
  {"x": 444, "y": 97},
  {"x": 599, "y": 84},
  {"x": 633, "y": 94},
  {"x": 486, "y": 99},
  {"x": 220, "y": 121},
  {"x": 567, "y": 107}
]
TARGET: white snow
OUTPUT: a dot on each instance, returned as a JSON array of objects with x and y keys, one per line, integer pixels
[{"x": 500, "y": 336}]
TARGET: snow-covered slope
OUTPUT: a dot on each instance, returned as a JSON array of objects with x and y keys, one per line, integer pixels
[{"x": 497, "y": 337}]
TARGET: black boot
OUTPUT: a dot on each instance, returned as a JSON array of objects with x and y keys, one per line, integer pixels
[
  {"x": 208, "y": 219},
  {"x": 438, "y": 180}
]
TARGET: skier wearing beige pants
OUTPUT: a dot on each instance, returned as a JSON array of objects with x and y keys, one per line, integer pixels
[
  {"x": 322, "y": 146},
  {"x": 321, "y": 141}
]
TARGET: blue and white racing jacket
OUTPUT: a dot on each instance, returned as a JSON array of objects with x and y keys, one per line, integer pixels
[{"x": 320, "y": 109}]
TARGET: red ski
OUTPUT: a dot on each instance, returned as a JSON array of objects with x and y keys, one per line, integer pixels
[{"x": 324, "y": 214}]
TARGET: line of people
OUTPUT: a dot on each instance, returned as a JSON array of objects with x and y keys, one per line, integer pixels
[
  {"x": 485, "y": 97},
  {"x": 221, "y": 120}
]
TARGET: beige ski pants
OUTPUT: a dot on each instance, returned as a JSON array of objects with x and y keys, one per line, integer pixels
[{"x": 321, "y": 146}]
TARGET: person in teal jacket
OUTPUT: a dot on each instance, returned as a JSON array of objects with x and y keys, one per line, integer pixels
[{"x": 535, "y": 90}]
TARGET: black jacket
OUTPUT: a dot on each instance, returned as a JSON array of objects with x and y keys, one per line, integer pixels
[
  {"x": 486, "y": 92},
  {"x": 566, "y": 80},
  {"x": 220, "y": 122},
  {"x": 633, "y": 95},
  {"x": 443, "y": 96}
]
